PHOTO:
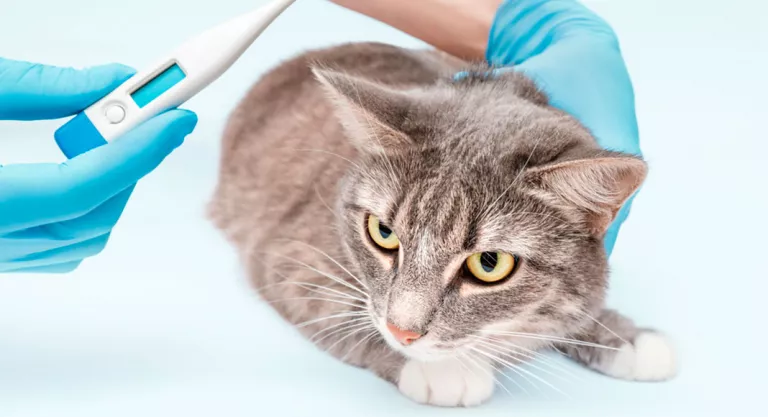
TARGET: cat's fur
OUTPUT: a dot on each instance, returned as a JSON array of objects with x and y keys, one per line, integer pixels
[{"x": 453, "y": 167}]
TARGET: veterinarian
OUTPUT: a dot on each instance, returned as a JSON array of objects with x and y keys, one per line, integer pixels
[{"x": 53, "y": 216}]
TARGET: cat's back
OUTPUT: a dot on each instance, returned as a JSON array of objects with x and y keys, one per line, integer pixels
[{"x": 283, "y": 150}]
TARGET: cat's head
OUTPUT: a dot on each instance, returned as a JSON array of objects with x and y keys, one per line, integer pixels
[{"x": 474, "y": 208}]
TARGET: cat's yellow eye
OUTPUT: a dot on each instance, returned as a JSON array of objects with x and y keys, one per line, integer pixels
[
  {"x": 381, "y": 234},
  {"x": 491, "y": 267}
]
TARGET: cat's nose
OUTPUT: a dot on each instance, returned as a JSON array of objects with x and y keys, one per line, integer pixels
[{"x": 406, "y": 337}]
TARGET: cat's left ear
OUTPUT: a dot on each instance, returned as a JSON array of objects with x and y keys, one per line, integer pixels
[
  {"x": 597, "y": 187},
  {"x": 372, "y": 114}
]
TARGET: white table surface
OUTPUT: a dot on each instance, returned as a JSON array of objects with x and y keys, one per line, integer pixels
[{"x": 163, "y": 324}]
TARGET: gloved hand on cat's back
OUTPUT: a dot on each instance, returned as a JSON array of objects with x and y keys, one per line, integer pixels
[
  {"x": 54, "y": 215},
  {"x": 574, "y": 57}
]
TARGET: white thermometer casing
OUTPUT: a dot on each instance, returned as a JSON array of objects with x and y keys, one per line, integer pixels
[{"x": 171, "y": 81}]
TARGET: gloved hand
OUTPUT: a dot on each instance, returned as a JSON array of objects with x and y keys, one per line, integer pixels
[
  {"x": 574, "y": 57},
  {"x": 52, "y": 216}
]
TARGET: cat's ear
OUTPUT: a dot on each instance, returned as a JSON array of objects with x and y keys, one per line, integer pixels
[
  {"x": 597, "y": 187},
  {"x": 371, "y": 114}
]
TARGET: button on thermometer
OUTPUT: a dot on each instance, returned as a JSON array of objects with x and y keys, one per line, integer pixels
[{"x": 171, "y": 81}]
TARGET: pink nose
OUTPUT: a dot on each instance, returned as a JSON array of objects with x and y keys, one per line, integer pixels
[{"x": 405, "y": 337}]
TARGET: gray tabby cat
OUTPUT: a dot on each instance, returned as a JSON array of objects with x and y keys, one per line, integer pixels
[{"x": 427, "y": 229}]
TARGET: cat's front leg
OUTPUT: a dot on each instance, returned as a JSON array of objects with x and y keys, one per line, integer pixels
[
  {"x": 449, "y": 383},
  {"x": 627, "y": 352}
]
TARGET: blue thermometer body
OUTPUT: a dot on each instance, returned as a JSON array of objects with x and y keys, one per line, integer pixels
[{"x": 169, "y": 82}]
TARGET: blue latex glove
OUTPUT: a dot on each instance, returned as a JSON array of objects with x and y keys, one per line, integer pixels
[
  {"x": 574, "y": 57},
  {"x": 52, "y": 216}
]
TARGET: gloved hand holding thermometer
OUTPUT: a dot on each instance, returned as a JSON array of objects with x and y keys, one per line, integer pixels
[{"x": 52, "y": 216}]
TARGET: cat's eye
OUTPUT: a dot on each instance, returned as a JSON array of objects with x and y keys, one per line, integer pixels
[
  {"x": 381, "y": 234},
  {"x": 491, "y": 267}
]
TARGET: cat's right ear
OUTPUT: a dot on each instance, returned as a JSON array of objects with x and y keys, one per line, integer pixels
[{"x": 371, "y": 114}]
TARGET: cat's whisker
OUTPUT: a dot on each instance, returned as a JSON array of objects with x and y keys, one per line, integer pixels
[
  {"x": 491, "y": 341},
  {"x": 533, "y": 355},
  {"x": 551, "y": 339},
  {"x": 325, "y": 274},
  {"x": 274, "y": 271},
  {"x": 604, "y": 327},
  {"x": 514, "y": 368},
  {"x": 351, "y": 322},
  {"x": 521, "y": 369},
  {"x": 328, "y": 275},
  {"x": 505, "y": 351},
  {"x": 322, "y": 200},
  {"x": 360, "y": 342},
  {"x": 560, "y": 352},
  {"x": 533, "y": 150},
  {"x": 584, "y": 313},
  {"x": 469, "y": 356},
  {"x": 463, "y": 356},
  {"x": 349, "y": 325},
  {"x": 270, "y": 285},
  {"x": 318, "y": 299},
  {"x": 519, "y": 350},
  {"x": 348, "y": 335},
  {"x": 330, "y": 258},
  {"x": 514, "y": 181},
  {"x": 476, "y": 362},
  {"x": 332, "y": 316},
  {"x": 331, "y": 291},
  {"x": 488, "y": 339}
]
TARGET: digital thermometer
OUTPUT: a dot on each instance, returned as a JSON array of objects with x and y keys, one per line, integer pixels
[{"x": 170, "y": 81}]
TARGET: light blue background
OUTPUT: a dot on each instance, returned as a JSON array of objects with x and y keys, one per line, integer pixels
[{"x": 163, "y": 324}]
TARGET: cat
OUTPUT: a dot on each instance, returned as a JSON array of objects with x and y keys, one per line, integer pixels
[{"x": 427, "y": 228}]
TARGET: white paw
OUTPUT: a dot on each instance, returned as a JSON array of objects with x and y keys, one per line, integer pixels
[
  {"x": 448, "y": 383},
  {"x": 651, "y": 358}
]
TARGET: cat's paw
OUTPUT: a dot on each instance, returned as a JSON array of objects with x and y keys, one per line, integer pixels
[
  {"x": 448, "y": 383},
  {"x": 650, "y": 358}
]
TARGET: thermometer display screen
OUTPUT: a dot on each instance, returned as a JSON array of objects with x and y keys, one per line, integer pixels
[{"x": 158, "y": 85}]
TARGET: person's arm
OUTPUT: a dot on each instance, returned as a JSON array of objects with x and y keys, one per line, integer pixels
[{"x": 458, "y": 27}]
